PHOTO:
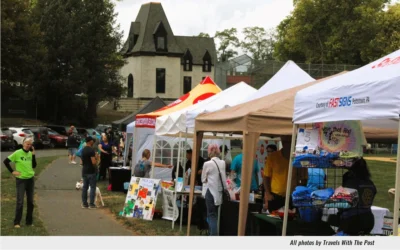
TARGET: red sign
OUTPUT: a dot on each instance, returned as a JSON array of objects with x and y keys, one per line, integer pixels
[
  {"x": 386, "y": 62},
  {"x": 145, "y": 122}
]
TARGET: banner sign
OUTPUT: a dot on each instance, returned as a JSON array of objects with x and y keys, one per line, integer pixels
[
  {"x": 170, "y": 209},
  {"x": 341, "y": 136},
  {"x": 145, "y": 122},
  {"x": 307, "y": 138},
  {"x": 141, "y": 198}
]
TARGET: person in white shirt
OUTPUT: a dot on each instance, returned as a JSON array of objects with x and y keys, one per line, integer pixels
[{"x": 213, "y": 172}]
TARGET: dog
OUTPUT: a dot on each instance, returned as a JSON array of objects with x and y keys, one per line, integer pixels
[{"x": 79, "y": 186}]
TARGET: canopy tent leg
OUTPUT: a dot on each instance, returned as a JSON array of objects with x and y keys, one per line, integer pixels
[
  {"x": 127, "y": 146},
  {"x": 219, "y": 207},
  {"x": 397, "y": 189},
  {"x": 197, "y": 139},
  {"x": 249, "y": 147},
  {"x": 134, "y": 149},
  {"x": 176, "y": 176},
  {"x": 289, "y": 180},
  {"x": 184, "y": 174},
  {"x": 153, "y": 156}
]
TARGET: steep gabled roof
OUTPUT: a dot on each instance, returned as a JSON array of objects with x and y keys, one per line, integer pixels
[
  {"x": 150, "y": 15},
  {"x": 197, "y": 47}
]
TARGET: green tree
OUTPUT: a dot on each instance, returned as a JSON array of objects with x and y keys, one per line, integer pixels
[
  {"x": 259, "y": 42},
  {"x": 228, "y": 41},
  {"x": 82, "y": 43},
  {"x": 202, "y": 34},
  {"x": 387, "y": 39},
  {"x": 21, "y": 47},
  {"x": 329, "y": 31}
]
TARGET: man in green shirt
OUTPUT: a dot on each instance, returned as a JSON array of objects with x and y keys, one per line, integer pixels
[{"x": 25, "y": 161}]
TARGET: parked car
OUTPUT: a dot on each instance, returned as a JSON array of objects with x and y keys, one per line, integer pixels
[
  {"x": 6, "y": 139},
  {"x": 88, "y": 131},
  {"x": 41, "y": 136},
  {"x": 20, "y": 134},
  {"x": 63, "y": 130},
  {"x": 56, "y": 139},
  {"x": 101, "y": 127}
]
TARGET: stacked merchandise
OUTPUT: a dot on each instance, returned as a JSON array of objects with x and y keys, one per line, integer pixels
[
  {"x": 343, "y": 198},
  {"x": 301, "y": 197},
  {"x": 319, "y": 197}
]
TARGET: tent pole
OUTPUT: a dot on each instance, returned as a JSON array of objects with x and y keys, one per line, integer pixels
[
  {"x": 197, "y": 139},
  {"x": 397, "y": 189},
  {"x": 153, "y": 156},
  {"x": 134, "y": 149},
  {"x": 184, "y": 174},
  {"x": 289, "y": 180},
  {"x": 176, "y": 176},
  {"x": 219, "y": 207}
]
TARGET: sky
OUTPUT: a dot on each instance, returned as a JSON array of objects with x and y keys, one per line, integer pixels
[{"x": 190, "y": 17}]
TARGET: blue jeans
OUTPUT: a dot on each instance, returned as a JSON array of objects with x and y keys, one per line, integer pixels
[
  {"x": 89, "y": 180},
  {"x": 212, "y": 214},
  {"x": 24, "y": 186}
]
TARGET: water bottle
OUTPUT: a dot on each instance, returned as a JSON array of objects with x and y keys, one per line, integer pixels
[{"x": 251, "y": 197}]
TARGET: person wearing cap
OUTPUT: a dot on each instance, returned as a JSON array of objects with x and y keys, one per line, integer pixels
[{"x": 89, "y": 170}]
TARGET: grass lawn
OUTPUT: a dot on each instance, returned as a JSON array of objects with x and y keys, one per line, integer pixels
[
  {"x": 8, "y": 200},
  {"x": 114, "y": 202},
  {"x": 383, "y": 175}
]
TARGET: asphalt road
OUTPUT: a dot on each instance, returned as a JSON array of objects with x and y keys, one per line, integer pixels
[{"x": 39, "y": 153}]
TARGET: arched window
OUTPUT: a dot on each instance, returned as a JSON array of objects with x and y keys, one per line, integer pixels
[{"x": 130, "y": 85}]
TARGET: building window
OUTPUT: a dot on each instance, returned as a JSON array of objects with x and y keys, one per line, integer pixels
[
  {"x": 160, "y": 43},
  {"x": 130, "y": 85},
  {"x": 160, "y": 37},
  {"x": 160, "y": 80},
  {"x": 187, "y": 61},
  {"x": 187, "y": 84},
  {"x": 206, "y": 66},
  {"x": 207, "y": 62}
]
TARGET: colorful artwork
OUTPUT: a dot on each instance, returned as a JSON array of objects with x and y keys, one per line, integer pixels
[
  {"x": 341, "y": 136},
  {"x": 141, "y": 198}
]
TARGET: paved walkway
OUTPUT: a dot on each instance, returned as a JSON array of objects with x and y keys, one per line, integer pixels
[{"x": 59, "y": 205}]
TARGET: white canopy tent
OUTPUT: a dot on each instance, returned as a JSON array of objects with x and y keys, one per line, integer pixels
[
  {"x": 289, "y": 76},
  {"x": 182, "y": 121},
  {"x": 370, "y": 94}
]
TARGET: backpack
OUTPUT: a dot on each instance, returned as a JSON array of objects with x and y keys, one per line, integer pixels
[{"x": 139, "y": 170}]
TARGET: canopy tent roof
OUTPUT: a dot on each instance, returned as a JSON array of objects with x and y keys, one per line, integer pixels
[
  {"x": 289, "y": 76},
  {"x": 368, "y": 93},
  {"x": 152, "y": 105},
  {"x": 270, "y": 115},
  {"x": 202, "y": 91},
  {"x": 179, "y": 121}
]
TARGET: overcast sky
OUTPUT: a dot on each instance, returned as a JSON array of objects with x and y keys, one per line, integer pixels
[{"x": 190, "y": 17}]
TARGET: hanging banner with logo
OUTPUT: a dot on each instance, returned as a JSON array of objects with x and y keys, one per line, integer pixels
[
  {"x": 141, "y": 198},
  {"x": 341, "y": 136},
  {"x": 170, "y": 209}
]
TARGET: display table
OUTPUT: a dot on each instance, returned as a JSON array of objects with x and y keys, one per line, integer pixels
[
  {"x": 378, "y": 212},
  {"x": 117, "y": 163},
  {"x": 229, "y": 219},
  {"x": 263, "y": 224},
  {"x": 118, "y": 176}
]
